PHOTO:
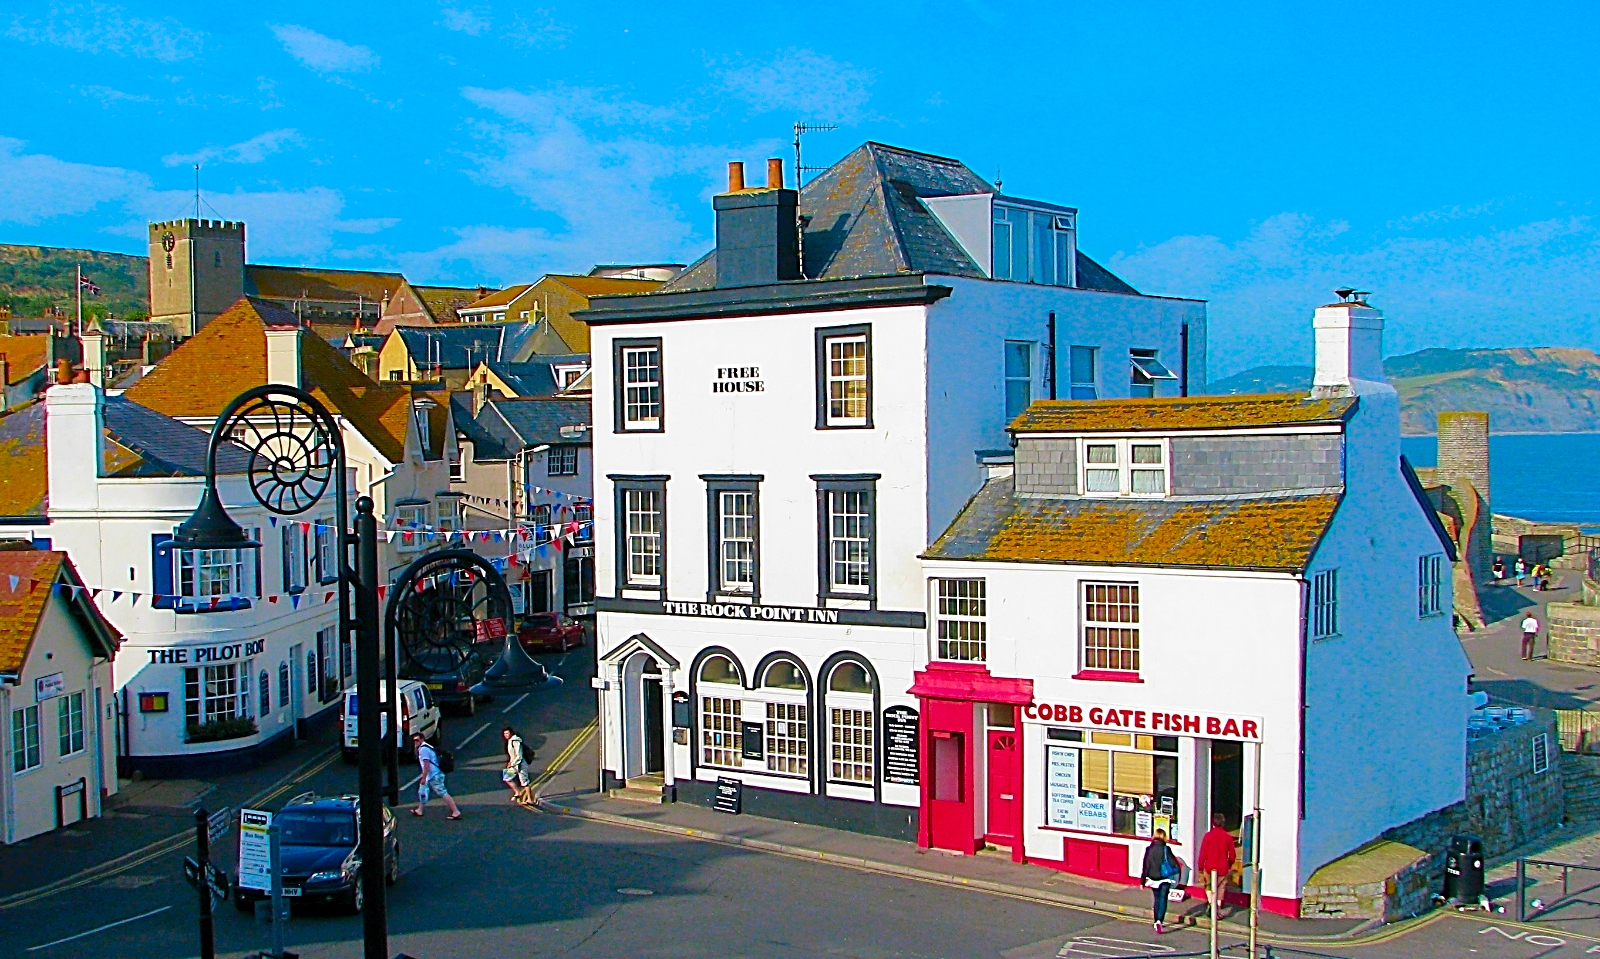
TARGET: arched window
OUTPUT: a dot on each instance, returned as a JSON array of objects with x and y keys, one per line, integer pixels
[
  {"x": 852, "y": 740},
  {"x": 266, "y": 694},
  {"x": 788, "y": 719},
  {"x": 721, "y": 712}
]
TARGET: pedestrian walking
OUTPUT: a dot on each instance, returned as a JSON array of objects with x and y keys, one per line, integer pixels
[
  {"x": 1218, "y": 852},
  {"x": 515, "y": 775},
  {"x": 1530, "y": 633},
  {"x": 1499, "y": 571},
  {"x": 431, "y": 783},
  {"x": 1161, "y": 870},
  {"x": 1521, "y": 570}
]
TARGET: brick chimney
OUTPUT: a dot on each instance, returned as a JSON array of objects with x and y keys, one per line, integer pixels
[
  {"x": 757, "y": 230},
  {"x": 283, "y": 355}
]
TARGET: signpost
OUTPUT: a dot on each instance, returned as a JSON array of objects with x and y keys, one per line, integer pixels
[
  {"x": 486, "y": 630},
  {"x": 217, "y": 825},
  {"x": 208, "y": 943}
]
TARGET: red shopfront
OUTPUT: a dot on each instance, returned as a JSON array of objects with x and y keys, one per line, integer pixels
[{"x": 971, "y": 738}]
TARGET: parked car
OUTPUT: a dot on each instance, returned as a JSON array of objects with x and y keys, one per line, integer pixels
[
  {"x": 549, "y": 632},
  {"x": 319, "y": 846},
  {"x": 418, "y": 714},
  {"x": 454, "y": 682}
]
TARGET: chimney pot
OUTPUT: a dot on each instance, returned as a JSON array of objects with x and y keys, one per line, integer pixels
[
  {"x": 63, "y": 372},
  {"x": 775, "y": 173},
  {"x": 735, "y": 176}
]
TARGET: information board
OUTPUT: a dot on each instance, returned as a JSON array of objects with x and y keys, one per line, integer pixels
[
  {"x": 901, "y": 744},
  {"x": 729, "y": 797},
  {"x": 1061, "y": 786},
  {"x": 255, "y": 851}
]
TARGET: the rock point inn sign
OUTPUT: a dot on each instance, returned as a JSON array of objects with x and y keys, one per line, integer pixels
[
  {"x": 777, "y": 614},
  {"x": 1209, "y": 725}
]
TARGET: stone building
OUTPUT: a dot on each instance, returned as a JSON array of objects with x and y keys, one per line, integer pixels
[{"x": 1459, "y": 490}]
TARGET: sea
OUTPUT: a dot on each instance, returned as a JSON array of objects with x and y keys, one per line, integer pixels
[{"x": 1545, "y": 477}]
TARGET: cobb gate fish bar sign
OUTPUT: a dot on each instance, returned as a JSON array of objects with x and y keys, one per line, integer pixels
[{"x": 1208, "y": 725}]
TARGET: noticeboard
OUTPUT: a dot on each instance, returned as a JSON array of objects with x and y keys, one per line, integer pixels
[
  {"x": 729, "y": 797},
  {"x": 901, "y": 762},
  {"x": 753, "y": 737},
  {"x": 255, "y": 852}
]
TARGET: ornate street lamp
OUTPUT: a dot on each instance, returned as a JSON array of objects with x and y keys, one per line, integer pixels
[{"x": 296, "y": 452}]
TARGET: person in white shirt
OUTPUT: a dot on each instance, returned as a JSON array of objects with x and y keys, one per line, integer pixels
[
  {"x": 431, "y": 783},
  {"x": 515, "y": 775},
  {"x": 1530, "y": 633}
]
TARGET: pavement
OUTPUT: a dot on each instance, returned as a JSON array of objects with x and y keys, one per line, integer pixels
[{"x": 1495, "y": 650}]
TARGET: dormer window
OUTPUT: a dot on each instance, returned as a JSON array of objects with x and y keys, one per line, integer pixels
[
  {"x": 1123, "y": 467},
  {"x": 1034, "y": 246}
]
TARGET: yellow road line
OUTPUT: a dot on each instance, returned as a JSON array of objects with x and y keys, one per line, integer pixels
[
  {"x": 559, "y": 764},
  {"x": 160, "y": 847}
]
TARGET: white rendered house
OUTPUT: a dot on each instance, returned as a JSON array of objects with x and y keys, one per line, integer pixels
[
  {"x": 1165, "y": 609},
  {"x": 780, "y": 432}
]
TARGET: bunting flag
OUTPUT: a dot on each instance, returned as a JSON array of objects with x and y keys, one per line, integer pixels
[
  {"x": 116, "y": 595},
  {"x": 15, "y": 580},
  {"x": 294, "y": 600}
]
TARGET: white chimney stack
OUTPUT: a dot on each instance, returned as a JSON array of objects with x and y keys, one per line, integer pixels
[
  {"x": 74, "y": 421},
  {"x": 1349, "y": 346},
  {"x": 283, "y": 355}
]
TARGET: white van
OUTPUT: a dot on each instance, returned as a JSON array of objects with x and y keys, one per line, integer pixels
[{"x": 418, "y": 714}]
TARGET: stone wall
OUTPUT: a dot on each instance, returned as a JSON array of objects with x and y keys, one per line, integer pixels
[
  {"x": 1464, "y": 449},
  {"x": 1227, "y": 465},
  {"x": 1048, "y": 466},
  {"x": 1507, "y": 805},
  {"x": 1574, "y": 631}
]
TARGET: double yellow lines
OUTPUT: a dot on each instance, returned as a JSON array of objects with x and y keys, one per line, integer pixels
[
  {"x": 556, "y": 765},
  {"x": 160, "y": 847}
]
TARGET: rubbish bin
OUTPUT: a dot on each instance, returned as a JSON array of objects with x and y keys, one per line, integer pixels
[{"x": 1463, "y": 869}]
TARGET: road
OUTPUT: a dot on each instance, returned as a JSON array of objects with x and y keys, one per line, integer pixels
[{"x": 505, "y": 881}]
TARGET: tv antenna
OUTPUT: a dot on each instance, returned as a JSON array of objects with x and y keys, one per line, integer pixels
[{"x": 799, "y": 130}]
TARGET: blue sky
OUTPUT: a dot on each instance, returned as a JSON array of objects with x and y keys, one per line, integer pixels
[{"x": 1443, "y": 156}]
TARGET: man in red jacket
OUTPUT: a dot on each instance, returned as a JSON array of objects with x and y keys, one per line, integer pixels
[{"x": 1215, "y": 865}]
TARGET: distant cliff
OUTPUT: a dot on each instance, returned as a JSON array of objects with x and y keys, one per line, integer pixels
[
  {"x": 35, "y": 278},
  {"x": 1545, "y": 390}
]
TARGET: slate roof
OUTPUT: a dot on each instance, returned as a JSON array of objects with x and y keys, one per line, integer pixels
[
  {"x": 22, "y": 609},
  {"x": 503, "y": 297},
  {"x": 139, "y": 443},
  {"x": 866, "y": 219},
  {"x": 536, "y": 377},
  {"x": 229, "y": 356},
  {"x": 1278, "y": 533},
  {"x": 464, "y": 346},
  {"x": 443, "y": 302},
  {"x": 1181, "y": 413},
  {"x": 485, "y": 444},
  {"x": 530, "y": 421}
]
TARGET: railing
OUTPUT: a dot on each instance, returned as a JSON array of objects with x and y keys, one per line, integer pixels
[
  {"x": 1582, "y": 543},
  {"x": 1566, "y": 876},
  {"x": 1579, "y": 731}
]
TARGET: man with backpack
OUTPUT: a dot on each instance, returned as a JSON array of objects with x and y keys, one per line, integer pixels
[
  {"x": 515, "y": 775},
  {"x": 431, "y": 783}
]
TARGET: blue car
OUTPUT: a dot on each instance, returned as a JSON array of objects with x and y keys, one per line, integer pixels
[{"x": 320, "y": 855}]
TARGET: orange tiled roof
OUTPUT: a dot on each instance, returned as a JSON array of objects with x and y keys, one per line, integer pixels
[
  {"x": 24, "y": 471},
  {"x": 1180, "y": 413},
  {"x": 1278, "y": 533},
  {"x": 24, "y": 356},
  {"x": 22, "y": 608},
  {"x": 229, "y": 356}
]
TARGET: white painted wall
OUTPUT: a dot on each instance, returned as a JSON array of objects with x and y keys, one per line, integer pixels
[
  {"x": 966, "y": 364},
  {"x": 1210, "y": 642}
]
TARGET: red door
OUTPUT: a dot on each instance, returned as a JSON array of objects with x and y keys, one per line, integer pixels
[
  {"x": 1002, "y": 787},
  {"x": 950, "y": 810}
]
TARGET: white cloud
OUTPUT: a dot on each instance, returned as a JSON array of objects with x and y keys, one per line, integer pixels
[
  {"x": 253, "y": 150},
  {"x": 596, "y": 173},
  {"x": 322, "y": 53},
  {"x": 110, "y": 96},
  {"x": 470, "y": 22},
  {"x": 1533, "y": 283},
  {"x": 106, "y": 28},
  {"x": 283, "y": 223},
  {"x": 813, "y": 86}
]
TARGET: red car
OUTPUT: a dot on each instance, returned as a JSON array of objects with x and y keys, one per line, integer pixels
[{"x": 549, "y": 633}]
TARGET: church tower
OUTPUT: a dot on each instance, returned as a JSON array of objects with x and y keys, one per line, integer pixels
[{"x": 196, "y": 271}]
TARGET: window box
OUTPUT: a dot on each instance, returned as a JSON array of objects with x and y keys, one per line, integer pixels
[
  {"x": 1107, "y": 676},
  {"x": 220, "y": 729}
]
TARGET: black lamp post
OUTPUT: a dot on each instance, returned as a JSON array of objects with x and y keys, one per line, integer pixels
[{"x": 296, "y": 452}]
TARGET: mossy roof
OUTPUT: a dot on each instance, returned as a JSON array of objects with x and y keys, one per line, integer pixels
[
  {"x": 22, "y": 608},
  {"x": 1260, "y": 533},
  {"x": 1176, "y": 414}
]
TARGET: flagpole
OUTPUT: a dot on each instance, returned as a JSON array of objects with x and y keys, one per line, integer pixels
[{"x": 79, "y": 289}]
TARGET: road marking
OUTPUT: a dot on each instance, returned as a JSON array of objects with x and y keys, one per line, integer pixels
[
  {"x": 515, "y": 703},
  {"x": 154, "y": 850},
  {"x": 1105, "y": 947},
  {"x": 631, "y": 891},
  {"x": 109, "y": 925},
  {"x": 558, "y": 764}
]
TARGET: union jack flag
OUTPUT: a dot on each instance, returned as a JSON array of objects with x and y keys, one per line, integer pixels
[{"x": 88, "y": 286}]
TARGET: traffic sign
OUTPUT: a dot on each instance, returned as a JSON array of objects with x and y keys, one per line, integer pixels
[
  {"x": 255, "y": 853},
  {"x": 217, "y": 825}
]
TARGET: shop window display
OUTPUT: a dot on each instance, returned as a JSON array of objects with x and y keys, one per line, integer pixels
[{"x": 1115, "y": 783}]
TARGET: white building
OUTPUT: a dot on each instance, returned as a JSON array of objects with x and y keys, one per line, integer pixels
[
  {"x": 772, "y": 453},
  {"x": 55, "y": 691},
  {"x": 226, "y": 656},
  {"x": 1163, "y": 600}
]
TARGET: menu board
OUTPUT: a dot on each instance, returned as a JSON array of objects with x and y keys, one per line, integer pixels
[
  {"x": 900, "y": 746},
  {"x": 1094, "y": 814},
  {"x": 1061, "y": 786}
]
